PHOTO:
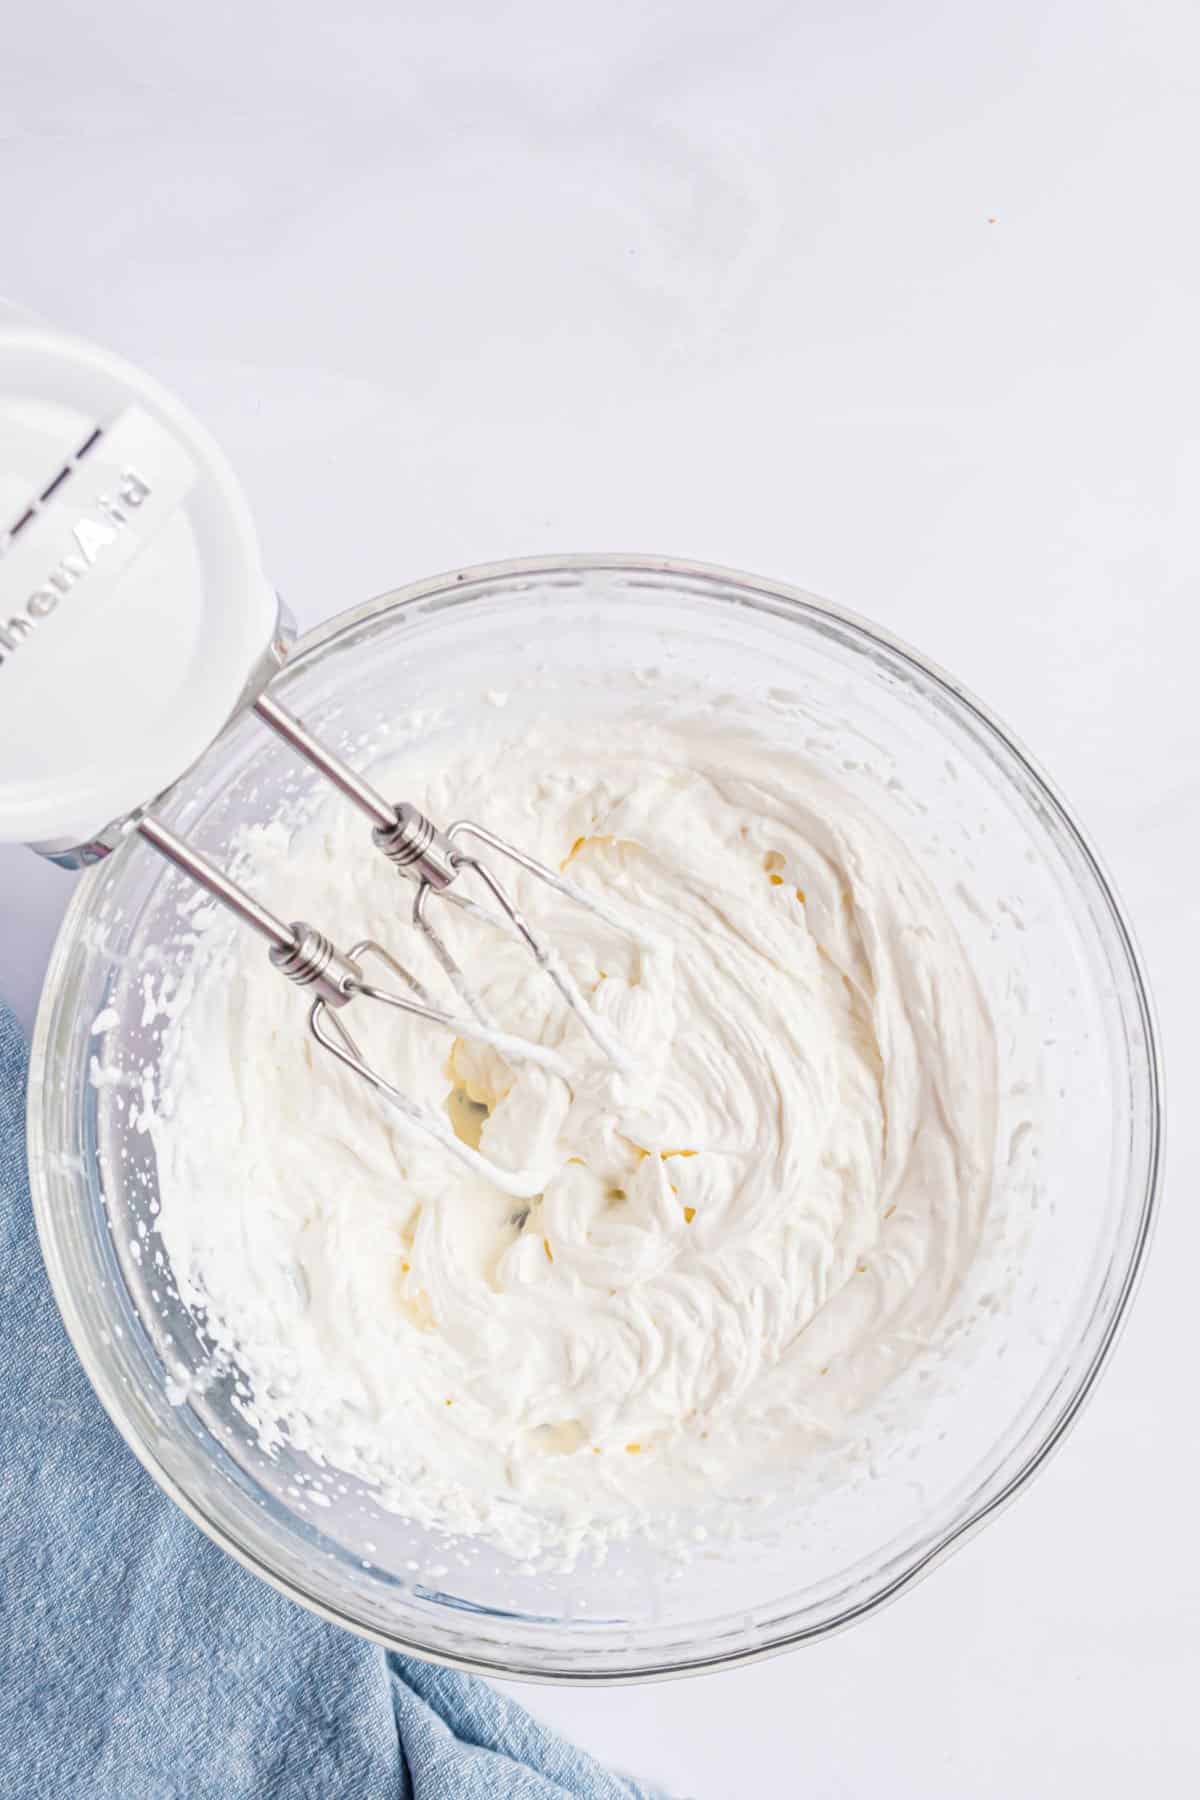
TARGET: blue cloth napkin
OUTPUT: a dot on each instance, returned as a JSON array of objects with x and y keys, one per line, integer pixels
[{"x": 139, "y": 1662}]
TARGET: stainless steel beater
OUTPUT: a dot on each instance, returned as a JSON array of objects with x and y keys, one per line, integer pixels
[
  {"x": 135, "y": 621},
  {"x": 434, "y": 861}
]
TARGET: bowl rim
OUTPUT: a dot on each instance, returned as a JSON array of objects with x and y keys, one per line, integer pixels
[{"x": 793, "y": 599}]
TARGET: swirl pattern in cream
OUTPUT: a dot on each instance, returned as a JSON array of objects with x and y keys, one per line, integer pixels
[{"x": 738, "y": 1240}]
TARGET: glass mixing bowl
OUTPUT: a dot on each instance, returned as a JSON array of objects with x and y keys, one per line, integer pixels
[{"x": 955, "y": 1436}]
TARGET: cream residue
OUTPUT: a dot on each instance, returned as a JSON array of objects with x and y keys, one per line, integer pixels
[{"x": 739, "y": 1240}]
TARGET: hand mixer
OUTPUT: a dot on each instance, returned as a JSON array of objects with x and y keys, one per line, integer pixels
[{"x": 135, "y": 622}]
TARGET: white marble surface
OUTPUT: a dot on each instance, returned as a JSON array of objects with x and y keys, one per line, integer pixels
[{"x": 895, "y": 302}]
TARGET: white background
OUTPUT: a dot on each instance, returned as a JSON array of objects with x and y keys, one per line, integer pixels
[{"x": 898, "y": 302}]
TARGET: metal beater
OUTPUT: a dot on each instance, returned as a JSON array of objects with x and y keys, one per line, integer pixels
[{"x": 433, "y": 860}]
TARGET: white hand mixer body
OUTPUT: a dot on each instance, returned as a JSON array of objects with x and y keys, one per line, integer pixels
[{"x": 135, "y": 621}]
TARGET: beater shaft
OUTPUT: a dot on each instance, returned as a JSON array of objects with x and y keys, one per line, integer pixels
[
  {"x": 407, "y": 838},
  {"x": 293, "y": 732},
  {"x": 299, "y": 951},
  {"x": 207, "y": 875}
]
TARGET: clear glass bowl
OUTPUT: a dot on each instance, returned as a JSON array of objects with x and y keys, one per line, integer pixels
[{"x": 957, "y": 1434}]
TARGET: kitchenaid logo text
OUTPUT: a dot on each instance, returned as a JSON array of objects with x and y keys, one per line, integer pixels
[{"x": 93, "y": 533}]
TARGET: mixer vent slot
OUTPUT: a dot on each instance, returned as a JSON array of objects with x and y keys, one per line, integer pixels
[{"x": 51, "y": 488}]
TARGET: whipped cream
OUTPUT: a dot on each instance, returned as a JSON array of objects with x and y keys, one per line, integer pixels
[{"x": 738, "y": 1237}]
